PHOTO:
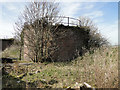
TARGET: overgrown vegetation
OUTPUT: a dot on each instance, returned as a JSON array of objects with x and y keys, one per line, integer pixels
[
  {"x": 36, "y": 23},
  {"x": 36, "y": 31},
  {"x": 96, "y": 40},
  {"x": 99, "y": 68},
  {"x": 11, "y": 52}
]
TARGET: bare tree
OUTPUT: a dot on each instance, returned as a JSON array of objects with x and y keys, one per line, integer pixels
[
  {"x": 19, "y": 36},
  {"x": 95, "y": 38},
  {"x": 86, "y": 21},
  {"x": 36, "y": 24}
]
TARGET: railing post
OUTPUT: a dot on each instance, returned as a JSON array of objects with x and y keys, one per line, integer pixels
[
  {"x": 79, "y": 23},
  {"x": 68, "y": 21}
]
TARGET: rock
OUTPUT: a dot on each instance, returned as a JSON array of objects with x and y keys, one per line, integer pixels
[
  {"x": 86, "y": 85},
  {"x": 37, "y": 71},
  {"x": 77, "y": 85},
  {"x": 80, "y": 86},
  {"x": 18, "y": 81}
]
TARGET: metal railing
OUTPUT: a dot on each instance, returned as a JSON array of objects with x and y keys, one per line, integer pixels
[{"x": 69, "y": 21}]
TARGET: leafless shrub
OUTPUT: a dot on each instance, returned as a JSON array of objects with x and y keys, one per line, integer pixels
[
  {"x": 35, "y": 29},
  {"x": 95, "y": 38}
]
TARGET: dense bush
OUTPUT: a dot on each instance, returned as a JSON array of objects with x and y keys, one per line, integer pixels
[{"x": 95, "y": 40}]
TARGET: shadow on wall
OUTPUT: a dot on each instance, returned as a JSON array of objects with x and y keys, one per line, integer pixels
[{"x": 71, "y": 46}]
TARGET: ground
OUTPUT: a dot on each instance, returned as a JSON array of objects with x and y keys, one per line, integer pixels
[{"x": 99, "y": 68}]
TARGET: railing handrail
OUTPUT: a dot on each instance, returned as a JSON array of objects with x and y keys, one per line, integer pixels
[
  {"x": 78, "y": 23},
  {"x": 69, "y": 18}
]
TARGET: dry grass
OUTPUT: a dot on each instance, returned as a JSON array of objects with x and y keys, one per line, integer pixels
[
  {"x": 12, "y": 52},
  {"x": 99, "y": 69}
]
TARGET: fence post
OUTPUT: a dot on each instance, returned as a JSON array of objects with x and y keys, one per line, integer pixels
[{"x": 68, "y": 21}]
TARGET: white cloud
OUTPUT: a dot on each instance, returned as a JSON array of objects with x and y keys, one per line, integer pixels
[
  {"x": 8, "y": 18},
  {"x": 94, "y": 14},
  {"x": 110, "y": 31},
  {"x": 6, "y": 29},
  {"x": 0, "y": 12},
  {"x": 13, "y": 6},
  {"x": 89, "y": 6},
  {"x": 70, "y": 9},
  {"x": 10, "y": 7},
  {"x": 98, "y": 20}
]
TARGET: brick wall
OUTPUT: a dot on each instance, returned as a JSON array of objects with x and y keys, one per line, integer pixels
[{"x": 75, "y": 38}]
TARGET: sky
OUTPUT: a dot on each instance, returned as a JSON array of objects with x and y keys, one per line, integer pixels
[{"x": 103, "y": 14}]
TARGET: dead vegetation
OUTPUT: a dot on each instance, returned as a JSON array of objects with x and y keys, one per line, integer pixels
[{"x": 98, "y": 68}]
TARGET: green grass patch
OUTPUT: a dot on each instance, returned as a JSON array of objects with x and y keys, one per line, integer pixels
[{"x": 99, "y": 69}]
